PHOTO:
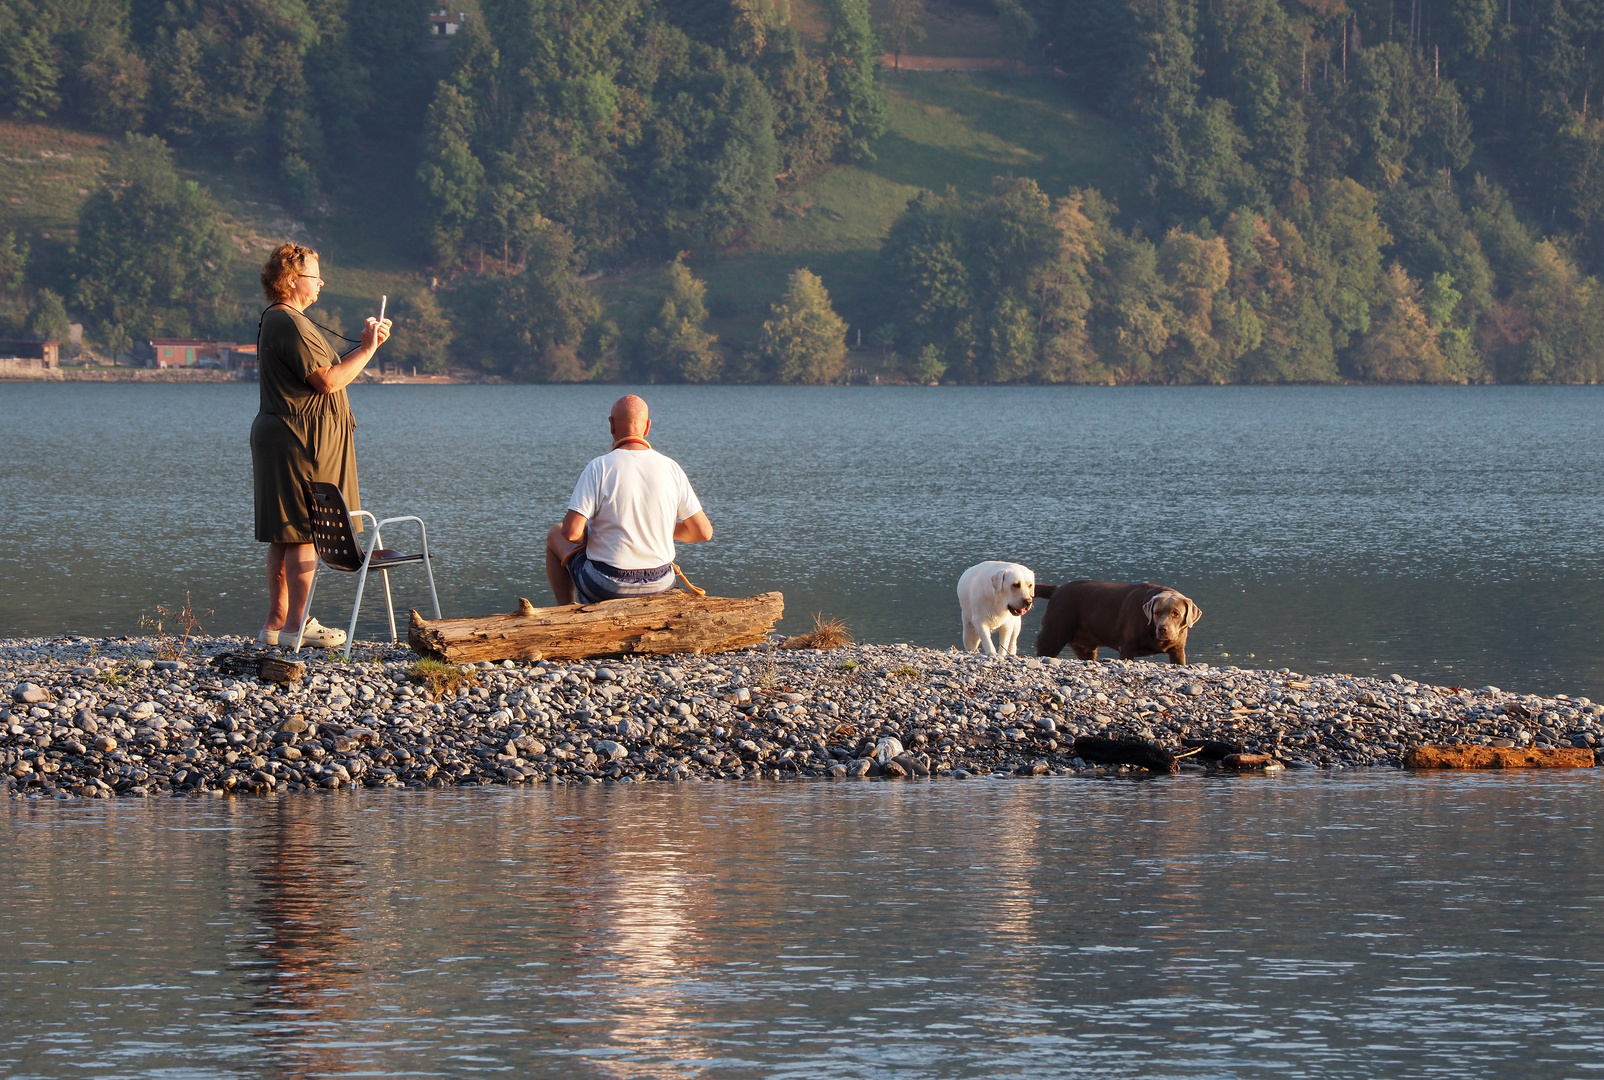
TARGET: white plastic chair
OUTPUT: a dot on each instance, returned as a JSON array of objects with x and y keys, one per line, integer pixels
[{"x": 338, "y": 549}]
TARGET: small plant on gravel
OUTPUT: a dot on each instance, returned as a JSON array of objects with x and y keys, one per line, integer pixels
[
  {"x": 167, "y": 647},
  {"x": 441, "y": 679},
  {"x": 906, "y": 671},
  {"x": 767, "y": 678}
]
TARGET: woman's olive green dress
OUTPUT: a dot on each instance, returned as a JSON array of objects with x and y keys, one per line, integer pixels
[{"x": 299, "y": 434}]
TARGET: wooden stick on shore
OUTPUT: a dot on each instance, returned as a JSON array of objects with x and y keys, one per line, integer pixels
[{"x": 673, "y": 622}]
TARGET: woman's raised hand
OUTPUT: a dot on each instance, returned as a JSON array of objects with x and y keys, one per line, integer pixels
[{"x": 375, "y": 332}]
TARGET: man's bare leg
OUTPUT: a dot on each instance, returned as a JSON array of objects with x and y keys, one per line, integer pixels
[{"x": 558, "y": 548}]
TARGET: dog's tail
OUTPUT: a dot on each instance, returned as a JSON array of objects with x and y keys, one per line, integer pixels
[{"x": 1045, "y": 592}]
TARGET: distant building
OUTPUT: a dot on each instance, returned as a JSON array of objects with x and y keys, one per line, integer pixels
[
  {"x": 193, "y": 352},
  {"x": 443, "y": 23},
  {"x": 19, "y": 356},
  {"x": 176, "y": 352},
  {"x": 240, "y": 358}
]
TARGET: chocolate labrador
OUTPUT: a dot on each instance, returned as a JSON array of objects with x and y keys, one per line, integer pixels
[{"x": 1138, "y": 620}]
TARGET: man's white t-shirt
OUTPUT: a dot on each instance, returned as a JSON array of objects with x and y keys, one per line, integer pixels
[{"x": 632, "y": 499}]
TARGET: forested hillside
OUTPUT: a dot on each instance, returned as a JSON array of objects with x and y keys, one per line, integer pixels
[{"x": 561, "y": 189}]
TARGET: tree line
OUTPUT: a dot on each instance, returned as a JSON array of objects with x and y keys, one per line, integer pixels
[{"x": 1369, "y": 190}]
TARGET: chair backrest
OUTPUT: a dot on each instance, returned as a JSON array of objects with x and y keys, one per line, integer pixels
[{"x": 331, "y": 527}]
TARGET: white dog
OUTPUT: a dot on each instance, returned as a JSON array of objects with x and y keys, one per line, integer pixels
[{"x": 993, "y": 596}]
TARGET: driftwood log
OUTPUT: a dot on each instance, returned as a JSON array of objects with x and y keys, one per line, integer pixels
[
  {"x": 1496, "y": 757},
  {"x": 259, "y": 666},
  {"x": 1213, "y": 749},
  {"x": 673, "y": 622},
  {"x": 1103, "y": 751}
]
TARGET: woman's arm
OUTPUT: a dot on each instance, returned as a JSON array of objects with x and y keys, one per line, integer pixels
[{"x": 329, "y": 379}]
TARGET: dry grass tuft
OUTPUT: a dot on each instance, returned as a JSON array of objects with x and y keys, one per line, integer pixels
[
  {"x": 441, "y": 679},
  {"x": 829, "y": 633}
]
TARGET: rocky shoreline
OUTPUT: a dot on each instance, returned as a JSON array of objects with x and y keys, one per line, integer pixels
[{"x": 94, "y": 718}]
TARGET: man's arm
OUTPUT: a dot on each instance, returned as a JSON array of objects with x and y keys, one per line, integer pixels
[
  {"x": 690, "y": 531},
  {"x": 573, "y": 527}
]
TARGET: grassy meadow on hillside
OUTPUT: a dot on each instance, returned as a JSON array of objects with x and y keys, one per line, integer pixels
[{"x": 945, "y": 129}]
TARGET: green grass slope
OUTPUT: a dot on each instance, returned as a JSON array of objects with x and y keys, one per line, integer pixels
[{"x": 944, "y": 129}]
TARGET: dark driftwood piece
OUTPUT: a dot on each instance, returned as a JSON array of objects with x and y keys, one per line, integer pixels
[
  {"x": 259, "y": 666},
  {"x": 1124, "y": 752},
  {"x": 1213, "y": 749},
  {"x": 673, "y": 622}
]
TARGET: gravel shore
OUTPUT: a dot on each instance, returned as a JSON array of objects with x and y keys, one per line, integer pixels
[{"x": 100, "y": 717}]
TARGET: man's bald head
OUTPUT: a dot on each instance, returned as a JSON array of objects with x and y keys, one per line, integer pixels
[{"x": 629, "y": 417}]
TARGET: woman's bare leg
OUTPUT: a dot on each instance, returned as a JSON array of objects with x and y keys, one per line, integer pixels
[{"x": 289, "y": 579}]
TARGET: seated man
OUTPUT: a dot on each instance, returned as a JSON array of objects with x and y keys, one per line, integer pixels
[{"x": 627, "y": 510}]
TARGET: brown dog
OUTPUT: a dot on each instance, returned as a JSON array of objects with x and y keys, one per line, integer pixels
[{"x": 1138, "y": 620}]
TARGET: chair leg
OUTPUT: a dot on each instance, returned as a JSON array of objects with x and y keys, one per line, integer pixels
[
  {"x": 389, "y": 604},
  {"x": 361, "y": 583},
  {"x": 428, "y": 569},
  {"x": 306, "y": 612}
]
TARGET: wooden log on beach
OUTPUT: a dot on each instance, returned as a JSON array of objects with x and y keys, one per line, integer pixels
[
  {"x": 257, "y": 665},
  {"x": 1095, "y": 748},
  {"x": 1496, "y": 757},
  {"x": 673, "y": 622},
  {"x": 1247, "y": 762}
]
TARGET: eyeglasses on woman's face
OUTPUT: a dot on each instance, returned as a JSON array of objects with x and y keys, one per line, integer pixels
[{"x": 313, "y": 277}]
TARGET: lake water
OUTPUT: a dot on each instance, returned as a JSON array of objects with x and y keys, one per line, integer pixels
[
  {"x": 1370, "y": 925},
  {"x": 1446, "y": 533},
  {"x": 1361, "y": 926}
]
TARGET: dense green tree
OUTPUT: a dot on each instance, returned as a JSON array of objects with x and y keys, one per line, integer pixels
[
  {"x": 803, "y": 340},
  {"x": 13, "y": 263},
  {"x": 451, "y": 175},
  {"x": 853, "y": 60},
  {"x": 677, "y": 344},
  {"x": 544, "y": 313},
  {"x": 151, "y": 257},
  {"x": 1401, "y": 346},
  {"x": 30, "y": 73},
  {"x": 423, "y": 334},
  {"x": 111, "y": 81},
  {"x": 48, "y": 319}
]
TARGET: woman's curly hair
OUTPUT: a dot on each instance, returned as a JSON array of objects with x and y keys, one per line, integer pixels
[{"x": 287, "y": 262}]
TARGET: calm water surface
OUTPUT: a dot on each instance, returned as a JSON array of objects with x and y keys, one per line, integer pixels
[
  {"x": 1371, "y": 926},
  {"x": 1442, "y": 532}
]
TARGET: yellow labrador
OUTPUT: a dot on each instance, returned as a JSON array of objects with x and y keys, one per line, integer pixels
[{"x": 992, "y": 596}]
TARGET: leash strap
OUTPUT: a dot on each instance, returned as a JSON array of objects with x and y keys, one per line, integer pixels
[{"x": 694, "y": 590}]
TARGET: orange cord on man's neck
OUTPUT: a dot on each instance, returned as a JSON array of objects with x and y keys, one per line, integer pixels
[{"x": 632, "y": 438}]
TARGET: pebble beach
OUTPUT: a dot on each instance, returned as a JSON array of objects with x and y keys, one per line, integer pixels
[{"x": 97, "y": 718}]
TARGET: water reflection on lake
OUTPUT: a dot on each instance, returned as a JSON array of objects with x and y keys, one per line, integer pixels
[
  {"x": 1303, "y": 925},
  {"x": 1447, "y": 533}
]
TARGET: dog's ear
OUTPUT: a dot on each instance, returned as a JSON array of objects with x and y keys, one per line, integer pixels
[
  {"x": 1193, "y": 614},
  {"x": 999, "y": 579},
  {"x": 1147, "y": 609}
]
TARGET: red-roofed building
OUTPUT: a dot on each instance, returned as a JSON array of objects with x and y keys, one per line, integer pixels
[{"x": 179, "y": 352}]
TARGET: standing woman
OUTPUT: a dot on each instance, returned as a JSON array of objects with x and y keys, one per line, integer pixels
[{"x": 303, "y": 432}]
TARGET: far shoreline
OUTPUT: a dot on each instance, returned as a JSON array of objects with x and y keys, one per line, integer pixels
[{"x": 192, "y": 377}]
